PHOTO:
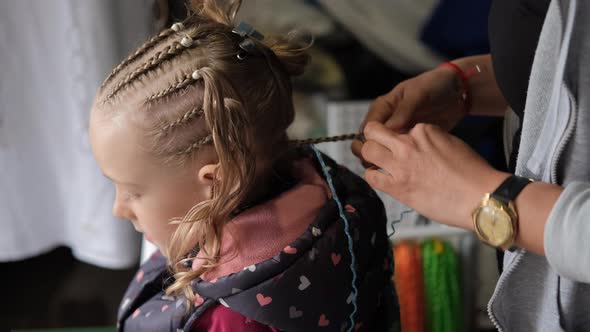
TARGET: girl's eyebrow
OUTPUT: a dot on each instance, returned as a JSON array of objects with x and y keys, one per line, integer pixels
[{"x": 120, "y": 182}]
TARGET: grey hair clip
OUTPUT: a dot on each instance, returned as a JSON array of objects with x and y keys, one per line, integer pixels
[{"x": 247, "y": 32}]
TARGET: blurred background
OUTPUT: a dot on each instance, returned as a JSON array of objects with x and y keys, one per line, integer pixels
[{"x": 65, "y": 261}]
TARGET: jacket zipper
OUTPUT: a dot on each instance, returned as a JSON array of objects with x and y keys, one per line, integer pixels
[
  {"x": 499, "y": 285},
  {"x": 567, "y": 135}
]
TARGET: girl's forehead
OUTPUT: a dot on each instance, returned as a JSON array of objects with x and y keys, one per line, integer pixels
[
  {"x": 122, "y": 151},
  {"x": 116, "y": 143}
]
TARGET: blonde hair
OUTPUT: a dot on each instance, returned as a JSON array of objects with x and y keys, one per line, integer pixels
[{"x": 188, "y": 89}]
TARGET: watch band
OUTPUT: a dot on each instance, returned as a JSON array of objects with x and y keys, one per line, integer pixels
[{"x": 510, "y": 188}]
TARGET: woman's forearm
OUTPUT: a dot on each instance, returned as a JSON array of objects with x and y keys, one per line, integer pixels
[{"x": 534, "y": 204}]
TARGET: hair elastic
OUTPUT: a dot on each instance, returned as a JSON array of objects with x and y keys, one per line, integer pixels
[
  {"x": 177, "y": 26},
  {"x": 186, "y": 41}
]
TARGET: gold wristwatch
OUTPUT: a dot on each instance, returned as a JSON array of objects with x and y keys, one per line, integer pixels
[{"x": 495, "y": 220}]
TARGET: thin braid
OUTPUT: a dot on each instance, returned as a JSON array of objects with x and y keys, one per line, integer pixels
[
  {"x": 318, "y": 140},
  {"x": 180, "y": 84},
  {"x": 166, "y": 54},
  {"x": 196, "y": 145},
  {"x": 144, "y": 48},
  {"x": 197, "y": 111}
]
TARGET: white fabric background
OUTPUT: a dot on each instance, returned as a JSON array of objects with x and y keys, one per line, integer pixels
[{"x": 53, "y": 56}]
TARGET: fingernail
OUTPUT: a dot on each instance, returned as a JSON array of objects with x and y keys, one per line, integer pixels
[{"x": 382, "y": 171}]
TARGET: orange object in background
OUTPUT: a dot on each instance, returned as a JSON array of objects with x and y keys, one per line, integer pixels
[{"x": 409, "y": 284}]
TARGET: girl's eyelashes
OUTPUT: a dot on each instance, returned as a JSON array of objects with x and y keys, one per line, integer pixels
[
  {"x": 132, "y": 195},
  {"x": 128, "y": 195}
]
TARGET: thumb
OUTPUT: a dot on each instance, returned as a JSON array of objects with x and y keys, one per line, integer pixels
[
  {"x": 407, "y": 104},
  {"x": 382, "y": 108}
]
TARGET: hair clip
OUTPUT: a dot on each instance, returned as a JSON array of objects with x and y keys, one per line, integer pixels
[
  {"x": 177, "y": 26},
  {"x": 247, "y": 46},
  {"x": 246, "y": 30},
  {"x": 241, "y": 55}
]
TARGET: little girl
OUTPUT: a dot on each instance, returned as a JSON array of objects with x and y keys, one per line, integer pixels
[{"x": 255, "y": 234}]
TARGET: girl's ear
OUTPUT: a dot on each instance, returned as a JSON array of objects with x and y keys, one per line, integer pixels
[{"x": 206, "y": 177}]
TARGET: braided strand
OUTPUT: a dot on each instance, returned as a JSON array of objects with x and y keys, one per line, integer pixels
[
  {"x": 142, "y": 50},
  {"x": 197, "y": 111},
  {"x": 157, "y": 59},
  {"x": 179, "y": 85},
  {"x": 318, "y": 140},
  {"x": 209, "y": 139},
  {"x": 201, "y": 142}
]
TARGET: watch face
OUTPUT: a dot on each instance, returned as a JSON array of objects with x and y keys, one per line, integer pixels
[{"x": 494, "y": 225}]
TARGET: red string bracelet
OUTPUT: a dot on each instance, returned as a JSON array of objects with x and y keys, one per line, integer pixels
[{"x": 464, "y": 76}]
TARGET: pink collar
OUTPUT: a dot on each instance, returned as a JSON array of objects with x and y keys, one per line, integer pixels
[{"x": 263, "y": 231}]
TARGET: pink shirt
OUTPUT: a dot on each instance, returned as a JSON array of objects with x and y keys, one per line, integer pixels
[{"x": 222, "y": 319}]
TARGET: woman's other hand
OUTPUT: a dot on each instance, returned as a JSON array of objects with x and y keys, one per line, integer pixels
[
  {"x": 435, "y": 173},
  {"x": 433, "y": 97}
]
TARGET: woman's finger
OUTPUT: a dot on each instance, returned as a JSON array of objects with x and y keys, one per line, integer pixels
[
  {"x": 377, "y": 132},
  {"x": 406, "y": 106},
  {"x": 382, "y": 107},
  {"x": 376, "y": 154},
  {"x": 356, "y": 148},
  {"x": 380, "y": 180}
]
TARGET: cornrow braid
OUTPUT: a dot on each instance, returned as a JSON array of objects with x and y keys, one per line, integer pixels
[
  {"x": 196, "y": 145},
  {"x": 144, "y": 48},
  {"x": 157, "y": 59},
  {"x": 318, "y": 140},
  {"x": 307, "y": 141},
  {"x": 195, "y": 112},
  {"x": 179, "y": 85}
]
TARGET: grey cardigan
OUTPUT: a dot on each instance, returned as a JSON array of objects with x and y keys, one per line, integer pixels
[{"x": 552, "y": 293}]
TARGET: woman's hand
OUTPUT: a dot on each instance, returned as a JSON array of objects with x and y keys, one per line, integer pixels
[
  {"x": 432, "y": 97},
  {"x": 429, "y": 170},
  {"x": 435, "y": 97}
]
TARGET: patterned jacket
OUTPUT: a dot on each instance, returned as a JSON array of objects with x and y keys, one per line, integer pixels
[{"x": 306, "y": 287}]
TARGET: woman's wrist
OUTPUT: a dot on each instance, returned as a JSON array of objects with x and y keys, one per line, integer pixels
[
  {"x": 462, "y": 86},
  {"x": 485, "y": 97}
]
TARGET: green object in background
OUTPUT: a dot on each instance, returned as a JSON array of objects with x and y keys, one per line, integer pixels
[
  {"x": 441, "y": 285},
  {"x": 73, "y": 329}
]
